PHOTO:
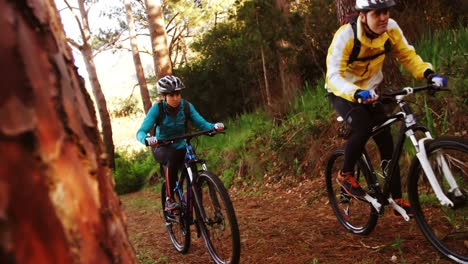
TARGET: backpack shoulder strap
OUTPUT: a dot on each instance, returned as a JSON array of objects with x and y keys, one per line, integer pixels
[
  {"x": 388, "y": 46},
  {"x": 357, "y": 47},
  {"x": 357, "y": 44},
  {"x": 186, "y": 113},
  {"x": 186, "y": 108},
  {"x": 162, "y": 113},
  {"x": 160, "y": 117}
]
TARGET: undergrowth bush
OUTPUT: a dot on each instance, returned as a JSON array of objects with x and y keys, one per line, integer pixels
[
  {"x": 132, "y": 170},
  {"x": 122, "y": 107},
  {"x": 446, "y": 50}
]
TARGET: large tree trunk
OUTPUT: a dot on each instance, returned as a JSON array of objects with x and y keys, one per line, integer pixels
[
  {"x": 265, "y": 74},
  {"x": 344, "y": 8},
  {"x": 161, "y": 57},
  {"x": 136, "y": 58},
  {"x": 101, "y": 104},
  {"x": 57, "y": 203},
  {"x": 289, "y": 77}
]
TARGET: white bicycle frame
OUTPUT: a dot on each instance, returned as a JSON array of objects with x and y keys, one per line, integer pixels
[{"x": 421, "y": 154}]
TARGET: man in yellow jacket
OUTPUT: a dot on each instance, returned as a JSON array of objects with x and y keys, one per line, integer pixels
[{"x": 355, "y": 72}]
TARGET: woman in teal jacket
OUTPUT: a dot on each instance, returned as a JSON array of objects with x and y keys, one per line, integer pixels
[{"x": 171, "y": 122}]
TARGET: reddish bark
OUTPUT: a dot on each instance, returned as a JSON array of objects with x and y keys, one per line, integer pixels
[{"x": 57, "y": 203}]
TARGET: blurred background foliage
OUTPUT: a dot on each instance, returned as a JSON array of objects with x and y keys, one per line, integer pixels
[{"x": 224, "y": 76}]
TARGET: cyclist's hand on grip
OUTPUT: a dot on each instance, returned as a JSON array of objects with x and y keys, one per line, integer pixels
[
  {"x": 151, "y": 141},
  {"x": 437, "y": 80},
  {"x": 219, "y": 127},
  {"x": 365, "y": 96}
]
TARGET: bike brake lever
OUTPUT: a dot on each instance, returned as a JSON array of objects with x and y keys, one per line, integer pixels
[
  {"x": 434, "y": 89},
  {"x": 214, "y": 132}
]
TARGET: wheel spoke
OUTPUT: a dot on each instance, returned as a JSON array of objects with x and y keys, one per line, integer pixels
[
  {"x": 177, "y": 222},
  {"x": 445, "y": 227},
  {"x": 220, "y": 231},
  {"x": 356, "y": 215}
]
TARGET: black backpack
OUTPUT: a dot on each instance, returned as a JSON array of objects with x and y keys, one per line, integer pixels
[
  {"x": 352, "y": 20},
  {"x": 162, "y": 115}
]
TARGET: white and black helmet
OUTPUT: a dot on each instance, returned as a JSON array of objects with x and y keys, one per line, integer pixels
[
  {"x": 367, "y": 5},
  {"x": 169, "y": 84}
]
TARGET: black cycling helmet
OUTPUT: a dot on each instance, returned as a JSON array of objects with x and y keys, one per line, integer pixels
[
  {"x": 169, "y": 84},
  {"x": 368, "y": 5}
]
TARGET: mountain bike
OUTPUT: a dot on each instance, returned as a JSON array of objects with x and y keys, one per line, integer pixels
[
  {"x": 436, "y": 183},
  {"x": 205, "y": 203}
]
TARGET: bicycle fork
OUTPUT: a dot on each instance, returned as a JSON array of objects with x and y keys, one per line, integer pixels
[
  {"x": 443, "y": 166},
  {"x": 201, "y": 215}
]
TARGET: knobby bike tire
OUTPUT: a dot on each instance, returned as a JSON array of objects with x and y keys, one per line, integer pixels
[
  {"x": 357, "y": 216},
  {"x": 221, "y": 231},
  {"x": 446, "y": 228},
  {"x": 177, "y": 222}
]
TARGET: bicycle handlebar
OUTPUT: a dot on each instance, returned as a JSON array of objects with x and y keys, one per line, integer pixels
[
  {"x": 409, "y": 90},
  {"x": 189, "y": 136}
]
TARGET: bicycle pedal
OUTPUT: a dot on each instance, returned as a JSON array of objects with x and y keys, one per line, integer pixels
[
  {"x": 175, "y": 212},
  {"x": 170, "y": 217},
  {"x": 344, "y": 199}
]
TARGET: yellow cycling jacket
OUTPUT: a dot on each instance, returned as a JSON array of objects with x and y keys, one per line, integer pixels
[{"x": 343, "y": 80}]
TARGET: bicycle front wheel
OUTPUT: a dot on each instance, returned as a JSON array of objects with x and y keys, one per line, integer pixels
[
  {"x": 178, "y": 221},
  {"x": 219, "y": 228},
  {"x": 357, "y": 216},
  {"x": 445, "y": 227}
]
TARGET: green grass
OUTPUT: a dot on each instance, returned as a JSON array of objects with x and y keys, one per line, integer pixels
[
  {"x": 144, "y": 203},
  {"x": 311, "y": 104},
  {"x": 445, "y": 49}
]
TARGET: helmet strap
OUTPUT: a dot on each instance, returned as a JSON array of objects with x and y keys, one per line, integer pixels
[{"x": 371, "y": 34}]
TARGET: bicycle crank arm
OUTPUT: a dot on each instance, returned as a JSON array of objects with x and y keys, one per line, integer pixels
[
  {"x": 373, "y": 201},
  {"x": 399, "y": 209}
]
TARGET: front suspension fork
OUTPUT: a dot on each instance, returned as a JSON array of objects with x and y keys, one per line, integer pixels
[{"x": 443, "y": 166}]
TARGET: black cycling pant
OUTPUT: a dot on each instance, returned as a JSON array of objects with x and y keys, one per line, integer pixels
[
  {"x": 362, "y": 117},
  {"x": 173, "y": 159}
]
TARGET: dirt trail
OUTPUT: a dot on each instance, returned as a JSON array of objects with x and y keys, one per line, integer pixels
[{"x": 293, "y": 225}]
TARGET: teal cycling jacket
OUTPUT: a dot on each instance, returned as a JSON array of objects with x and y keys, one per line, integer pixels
[{"x": 171, "y": 126}]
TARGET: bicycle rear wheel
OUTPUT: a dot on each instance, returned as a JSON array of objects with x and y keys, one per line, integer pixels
[
  {"x": 445, "y": 227},
  {"x": 357, "y": 216},
  {"x": 178, "y": 221},
  {"x": 219, "y": 229}
]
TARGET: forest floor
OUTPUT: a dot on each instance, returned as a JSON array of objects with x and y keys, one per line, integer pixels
[{"x": 279, "y": 224}]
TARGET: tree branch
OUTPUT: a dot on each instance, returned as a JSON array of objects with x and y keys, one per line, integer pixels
[
  {"x": 74, "y": 43},
  {"x": 78, "y": 21}
]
